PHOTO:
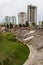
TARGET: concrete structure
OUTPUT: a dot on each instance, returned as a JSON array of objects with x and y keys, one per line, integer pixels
[
  {"x": 22, "y": 17},
  {"x": 32, "y": 14},
  {"x": 35, "y": 45},
  {"x": 7, "y": 19},
  {"x": 11, "y": 19}
]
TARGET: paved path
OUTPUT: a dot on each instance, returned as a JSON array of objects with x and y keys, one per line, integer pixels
[{"x": 32, "y": 55}]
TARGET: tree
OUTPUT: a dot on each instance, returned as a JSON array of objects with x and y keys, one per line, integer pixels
[
  {"x": 7, "y": 26},
  {"x": 16, "y": 26},
  {"x": 11, "y": 25},
  {"x": 27, "y": 24},
  {"x": 20, "y": 25},
  {"x": 24, "y": 25},
  {"x": 33, "y": 24},
  {"x": 42, "y": 23}
]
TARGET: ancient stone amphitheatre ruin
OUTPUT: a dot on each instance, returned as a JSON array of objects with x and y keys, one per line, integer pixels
[{"x": 34, "y": 40}]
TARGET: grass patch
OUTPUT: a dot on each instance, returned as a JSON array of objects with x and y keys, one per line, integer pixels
[{"x": 12, "y": 52}]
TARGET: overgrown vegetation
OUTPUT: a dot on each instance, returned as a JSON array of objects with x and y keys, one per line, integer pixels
[
  {"x": 27, "y": 23},
  {"x": 33, "y": 24},
  {"x": 12, "y": 52},
  {"x": 42, "y": 23},
  {"x": 20, "y": 25}
]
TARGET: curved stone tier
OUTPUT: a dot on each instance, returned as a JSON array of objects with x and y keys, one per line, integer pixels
[{"x": 35, "y": 45}]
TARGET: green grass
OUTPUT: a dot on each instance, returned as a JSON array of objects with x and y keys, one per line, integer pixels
[{"x": 11, "y": 51}]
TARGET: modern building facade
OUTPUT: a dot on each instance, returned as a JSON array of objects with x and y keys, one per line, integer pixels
[
  {"x": 7, "y": 19},
  {"x": 32, "y": 14},
  {"x": 22, "y": 17},
  {"x": 11, "y": 19}
]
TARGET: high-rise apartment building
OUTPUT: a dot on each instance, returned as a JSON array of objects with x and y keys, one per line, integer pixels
[
  {"x": 11, "y": 19},
  {"x": 7, "y": 19},
  {"x": 22, "y": 17},
  {"x": 32, "y": 14}
]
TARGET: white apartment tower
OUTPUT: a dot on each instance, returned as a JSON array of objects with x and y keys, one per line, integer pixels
[
  {"x": 22, "y": 17},
  {"x": 13, "y": 19},
  {"x": 7, "y": 19},
  {"x": 32, "y": 14}
]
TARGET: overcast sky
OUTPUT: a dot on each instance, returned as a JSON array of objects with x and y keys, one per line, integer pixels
[{"x": 13, "y": 7}]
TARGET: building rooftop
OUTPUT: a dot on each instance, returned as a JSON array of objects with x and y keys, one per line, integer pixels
[
  {"x": 22, "y": 12},
  {"x": 31, "y": 6}
]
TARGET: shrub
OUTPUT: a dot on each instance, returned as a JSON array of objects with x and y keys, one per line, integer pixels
[
  {"x": 27, "y": 24},
  {"x": 42, "y": 23},
  {"x": 20, "y": 25},
  {"x": 33, "y": 24},
  {"x": 24, "y": 25},
  {"x": 11, "y": 25},
  {"x": 7, "y": 26}
]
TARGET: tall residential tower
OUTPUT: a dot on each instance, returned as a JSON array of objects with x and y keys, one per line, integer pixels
[
  {"x": 9, "y": 20},
  {"x": 22, "y": 17},
  {"x": 32, "y": 14},
  {"x": 13, "y": 19}
]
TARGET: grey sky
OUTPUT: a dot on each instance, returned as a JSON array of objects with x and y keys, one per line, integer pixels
[{"x": 12, "y": 7}]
